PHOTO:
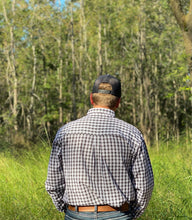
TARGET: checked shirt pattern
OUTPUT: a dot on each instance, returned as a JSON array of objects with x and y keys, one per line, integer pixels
[{"x": 98, "y": 160}]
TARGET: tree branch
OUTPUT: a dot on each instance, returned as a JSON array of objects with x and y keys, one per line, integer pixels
[
  {"x": 179, "y": 15},
  {"x": 190, "y": 7}
]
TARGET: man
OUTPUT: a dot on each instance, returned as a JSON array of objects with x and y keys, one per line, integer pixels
[{"x": 99, "y": 166}]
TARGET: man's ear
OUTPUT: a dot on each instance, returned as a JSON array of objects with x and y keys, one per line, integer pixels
[
  {"x": 91, "y": 99},
  {"x": 117, "y": 105}
]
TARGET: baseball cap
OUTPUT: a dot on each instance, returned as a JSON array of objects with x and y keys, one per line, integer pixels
[{"x": 114, "y": 82}]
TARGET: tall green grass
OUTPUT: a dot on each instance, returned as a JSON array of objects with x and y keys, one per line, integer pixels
[
  {"x": 23, "y": 195},
  {"x": 172, "y": 195},
  {"x": 22, "y": 192}
]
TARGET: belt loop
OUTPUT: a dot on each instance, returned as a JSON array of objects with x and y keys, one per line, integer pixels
[
  {"x": 76, "y": 208},
  {"x": 96, "y": 208}
]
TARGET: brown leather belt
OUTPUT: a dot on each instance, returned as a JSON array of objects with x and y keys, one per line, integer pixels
[{"x": 100, "y": 208}]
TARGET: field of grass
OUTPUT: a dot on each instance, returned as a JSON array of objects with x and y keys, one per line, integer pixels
[
  {"x": 172, "y": 195},
  {"x": 23, "y": 195}
]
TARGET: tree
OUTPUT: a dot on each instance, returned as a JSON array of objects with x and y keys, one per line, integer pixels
[
  {"x": 183, "y": 15},
  {"x": 11, "y": 62},
  {"x": 182, "y": 11}
]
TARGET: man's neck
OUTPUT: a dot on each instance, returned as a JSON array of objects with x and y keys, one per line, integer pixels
[{"x": 99, "y": 106}]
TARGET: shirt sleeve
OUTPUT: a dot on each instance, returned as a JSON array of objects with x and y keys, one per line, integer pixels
[
  {"x": 55, "y": 182},
  {"x": 142, "y": 179}
]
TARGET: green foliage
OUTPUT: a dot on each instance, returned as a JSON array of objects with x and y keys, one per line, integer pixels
[{"x": 137, "y": 40}]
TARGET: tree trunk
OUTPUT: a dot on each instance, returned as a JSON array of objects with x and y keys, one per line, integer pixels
[
  {"x": 186, "y": 119},
  {"x": 156, "y": 112},
  {"x": 60, "y": 68},
  {"x": 105, "y": 47},
  {"x": 176, "y": 120},
  {"x": 185, "y": 23},
  {"x": 74, "y": 107},
  {"x": 142, "y": 56},
  {"x": 100, "y": 63},
  {"x": 134, "y": 98},
  {"x": 45, "y": 98},
  {"x": 8, "y": 76},
  {"x": 31, "y": 106},
  {"x": 11, "y": 63}
]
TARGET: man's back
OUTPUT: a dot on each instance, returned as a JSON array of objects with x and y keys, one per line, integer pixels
[{"x": 98, "y": 154}]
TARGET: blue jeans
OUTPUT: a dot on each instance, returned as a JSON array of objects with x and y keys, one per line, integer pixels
[{"x": 114, "y": 215}]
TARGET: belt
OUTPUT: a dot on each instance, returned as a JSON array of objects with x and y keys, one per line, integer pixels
[{"x": 99, "y": 208}]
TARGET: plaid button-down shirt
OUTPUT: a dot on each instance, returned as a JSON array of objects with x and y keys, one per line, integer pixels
[{"x": 98, "y": 160}]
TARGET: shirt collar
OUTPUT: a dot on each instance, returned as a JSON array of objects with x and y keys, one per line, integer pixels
[{"x": 101, "y": 112}]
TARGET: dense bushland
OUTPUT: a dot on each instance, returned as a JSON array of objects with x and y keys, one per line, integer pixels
[{"x": 50, "y": 56}]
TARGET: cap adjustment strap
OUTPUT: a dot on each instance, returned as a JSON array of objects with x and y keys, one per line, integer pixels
[{"x": 104, "y": 91}]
